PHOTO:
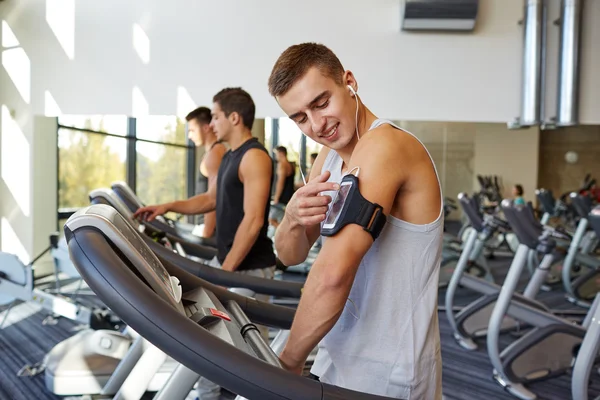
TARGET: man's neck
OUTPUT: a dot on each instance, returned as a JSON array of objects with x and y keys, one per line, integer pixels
[
  {"x": 239, "y": 138},
  {"x": 365, "y": 120},
  {"x": 209, "y": 141}
]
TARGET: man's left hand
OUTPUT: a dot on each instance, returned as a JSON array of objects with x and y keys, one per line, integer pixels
[{"x": 293, "y": 368}]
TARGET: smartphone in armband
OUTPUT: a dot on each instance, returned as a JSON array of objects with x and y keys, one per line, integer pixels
[{"x": 348, "y": 206}]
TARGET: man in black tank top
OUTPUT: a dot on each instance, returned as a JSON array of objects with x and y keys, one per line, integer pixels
[
  {"x": 240, "y": 198},
  {"x": 200, "y": 132},
  {"x": 284, "y": 186},
  {"x": 241, "y": 195}
]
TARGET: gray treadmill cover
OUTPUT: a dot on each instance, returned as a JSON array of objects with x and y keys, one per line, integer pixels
[
  {"x": 522, "y": 222},
  {"x": 112, "y": 224},
  {"x": 112, "y": 199},
  {"x": 124, "y": 187},
  {"x": 546, "y": 199},
  {"x": 470, "y": 208},
  {"x": 581, "y": 203},
  {"x": 132, "y": 201}
]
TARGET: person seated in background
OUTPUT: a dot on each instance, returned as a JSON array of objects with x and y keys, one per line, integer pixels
[
  {"x": 518, "y": 194},
  {"x": 200, "y": 132},
  {"x": 284, "y": 185}
]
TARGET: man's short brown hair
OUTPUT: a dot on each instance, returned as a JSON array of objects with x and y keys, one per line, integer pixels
[
  {"x": 239, "y": 101},
  {"x": 296, "y": 60},
  {"x": 200, "y": 114},
  {"x": 281, "y": 149}
]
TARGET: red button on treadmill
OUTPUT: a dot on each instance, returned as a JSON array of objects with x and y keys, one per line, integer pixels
[{"x": 220, "y": 314}]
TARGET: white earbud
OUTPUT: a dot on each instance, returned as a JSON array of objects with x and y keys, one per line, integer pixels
[{"x": 356, "y": 117}]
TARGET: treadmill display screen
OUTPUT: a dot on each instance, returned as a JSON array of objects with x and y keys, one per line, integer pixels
[{"x": 155, "y": 270}]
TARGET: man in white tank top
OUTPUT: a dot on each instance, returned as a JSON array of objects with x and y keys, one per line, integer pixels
[{"x": 369, "y": 305}]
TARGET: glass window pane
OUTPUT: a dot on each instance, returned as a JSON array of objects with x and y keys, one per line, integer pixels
[
  {"x": 269, "y": 134},
  {"x": 113, "y": 124},
  {"x": 87, "y": 161},
  {"x": 289, "y": 137},
  {"x": 312, "y": 147},
  {"x": 161, "y": 128},
  {"x": 161, "y": 173}
]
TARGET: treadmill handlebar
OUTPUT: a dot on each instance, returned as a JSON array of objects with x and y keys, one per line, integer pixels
[
  {"x": 556, "y": 233},
  {"x": 225, "y": 278},
  {"x": 252, "y": 335},
  {"x": 496, "y": 223}
]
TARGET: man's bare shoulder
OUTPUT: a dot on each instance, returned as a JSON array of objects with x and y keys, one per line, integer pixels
[
  {"x": 213, "y": 158},
  {"x": 389, "y": 140}
]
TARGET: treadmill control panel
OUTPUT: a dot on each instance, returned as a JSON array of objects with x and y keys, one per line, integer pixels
[
  {"x": 115, "y": 227},
  {"x": 149, "y": 257}
]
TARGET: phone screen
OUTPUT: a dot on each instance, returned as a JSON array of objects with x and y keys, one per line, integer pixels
[{"x": 338, "y": 204}]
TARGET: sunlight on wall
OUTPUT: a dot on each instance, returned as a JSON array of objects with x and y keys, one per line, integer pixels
[
  {"x": 15, "y": 163},
  {"x": 140, "y": 106},
  {"x": 60, "y": 16},
  {"x": 18, "y": 67},
  {"x": 185, "y": 103},
  {"x": 51, "y": 108},
  {"x": 8, "y": 36},
  {"x": 11, "y": 242},
  {"x": 141, "y": 43}
]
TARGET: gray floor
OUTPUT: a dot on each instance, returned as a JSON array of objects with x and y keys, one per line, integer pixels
[{"x": 466, "y": 375}]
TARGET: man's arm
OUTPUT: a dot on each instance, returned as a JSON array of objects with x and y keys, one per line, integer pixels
[
  {"x": 280, "y": 182},
  {"x": 255, "y": 173},
  {"x": 293, "y": 239},
  {"x": 212, "y": 162},
  {"x": 198, "y": 204},
  {"x": 331, "y": 277}
]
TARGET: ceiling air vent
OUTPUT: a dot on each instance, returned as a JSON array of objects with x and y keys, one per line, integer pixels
[{"x": 439, "y": 15}]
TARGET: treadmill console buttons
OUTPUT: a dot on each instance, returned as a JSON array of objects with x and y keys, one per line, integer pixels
[
  {"x": 220, "y": 314},
  {"x": 105, "y": 343}
]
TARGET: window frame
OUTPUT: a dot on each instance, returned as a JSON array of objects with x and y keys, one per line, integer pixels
[{"x": 130, "y": 159}]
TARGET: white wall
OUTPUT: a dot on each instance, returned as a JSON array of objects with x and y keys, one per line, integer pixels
[{"x": 203, "y": 46}]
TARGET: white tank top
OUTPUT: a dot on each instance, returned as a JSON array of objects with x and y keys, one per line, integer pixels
[{"x": 387, "y": 341}]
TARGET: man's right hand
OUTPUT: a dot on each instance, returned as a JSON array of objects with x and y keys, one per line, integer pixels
[
  {"x": 149, "y": 213},
  {"x": 307, "y": 207}
]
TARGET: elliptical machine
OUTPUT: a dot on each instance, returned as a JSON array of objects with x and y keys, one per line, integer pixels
[
  {"x": 547, "y": 350},
  {"x": 471, "y": 323}
]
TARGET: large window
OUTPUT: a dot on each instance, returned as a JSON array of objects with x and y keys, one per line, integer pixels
[
  {"x": 161, "y": 173},
  {"x": 152, "y": 154},
  {"x": 87, "y": 159},
  {"x": 284, "y": 132},
  {"x": 162, "y": 128}
]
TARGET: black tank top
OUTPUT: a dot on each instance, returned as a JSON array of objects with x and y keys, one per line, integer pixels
[
  {"x": 288, "y": 186},
  {"x": 230, "y": 211}
]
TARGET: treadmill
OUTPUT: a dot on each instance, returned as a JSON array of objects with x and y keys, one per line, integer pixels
[
  {"x": 186, "y": 243},
  {"x": 99, "y": 362},
  {"x": 162, "y": 223},
  {"x": 196, "y": 264},
  {"x": 206, "y": 328}
]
